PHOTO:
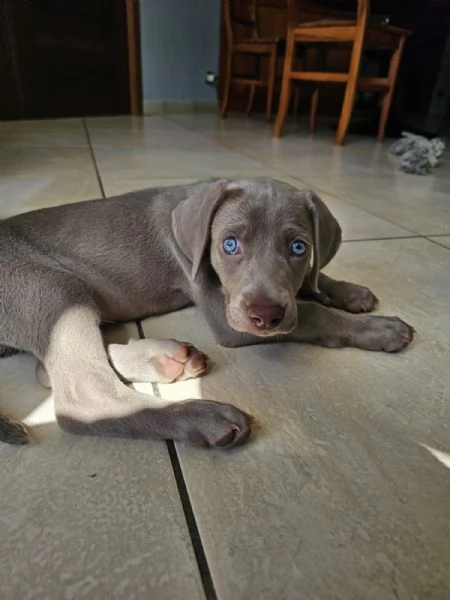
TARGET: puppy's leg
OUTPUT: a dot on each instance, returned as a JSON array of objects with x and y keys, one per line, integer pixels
[
  {"x": 155, "y": 361},
  {"x": 347, "y": 296},
  {"x": 316, "y": 324},
  {"x": 90, "y": 398},
  {"x": 326, "y": 326},
  {"x": 52, "y": 315}
]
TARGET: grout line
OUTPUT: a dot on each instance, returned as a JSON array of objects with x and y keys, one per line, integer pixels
[
  {"x": 94, "y": 160},
  {"x": 202, "y": 562},
  {"x": 437, "y": 243},
  {"x": 186, "y": 504},
  {"x": 381, "y": 239},
  {"x": 140, "y": 329}
]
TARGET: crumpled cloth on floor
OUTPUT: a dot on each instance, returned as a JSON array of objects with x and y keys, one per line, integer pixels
[{"x": 420, "y": 155}]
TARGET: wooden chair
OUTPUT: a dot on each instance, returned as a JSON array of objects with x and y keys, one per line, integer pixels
[
  {"x": 252, "y": 44},
  {"x": 360, "y": 35}
]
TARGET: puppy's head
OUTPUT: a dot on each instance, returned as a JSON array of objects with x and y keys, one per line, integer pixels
[{"x": 265, "y": 238}]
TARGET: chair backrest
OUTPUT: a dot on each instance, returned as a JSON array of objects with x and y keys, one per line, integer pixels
[
  {"x": 294, "y": 11},
  {"x": 239, "y": 16}
]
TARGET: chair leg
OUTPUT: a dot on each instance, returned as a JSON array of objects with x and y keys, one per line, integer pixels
[
  {"x": 392, "y": 80},
  {"x": 298, "y": 65},
  {"x": 351, "y": 87},
  {"x": 315, "y": 95},
  {"x": 313, "y": 109},
  {"x": 250, "y": 100},
  {"x": 271, "y": 82},
  {"x": 296, "y": 102},
  {"x": 226, "y": 85},
  {"x": 285, "y": 86}
]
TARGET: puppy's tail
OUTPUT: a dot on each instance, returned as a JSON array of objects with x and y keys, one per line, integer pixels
[{"x": 13, "y": 432}]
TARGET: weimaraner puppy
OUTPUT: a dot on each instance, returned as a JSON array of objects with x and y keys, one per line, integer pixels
[{"x": 247, "y": 253}]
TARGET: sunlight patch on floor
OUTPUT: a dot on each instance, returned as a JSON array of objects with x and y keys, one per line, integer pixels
[
  {"x": 172, "y": 392},
  {"x": 43, "y": 414},
  {"x": 442, "y": 457}
]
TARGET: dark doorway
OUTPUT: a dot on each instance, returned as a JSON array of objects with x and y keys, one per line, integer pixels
[{"x": 64, "y": 59}]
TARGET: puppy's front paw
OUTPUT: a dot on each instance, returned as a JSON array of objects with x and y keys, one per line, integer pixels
[
  {"x": 388, "y": 334},
  {"x": 352, "y": 298},
  {"x": 212, "y": 424},
  {"x": 162, "y": 361},
  {"x": 398, "y": 334}
]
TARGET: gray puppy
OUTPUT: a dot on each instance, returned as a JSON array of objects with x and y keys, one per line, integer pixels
[{"x": 247, "y": 253}]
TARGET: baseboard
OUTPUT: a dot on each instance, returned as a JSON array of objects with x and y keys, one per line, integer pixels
[{"x": 157, "y": 107}]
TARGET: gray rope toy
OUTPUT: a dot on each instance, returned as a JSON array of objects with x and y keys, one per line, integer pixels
[{"x": 420, "y": 155}]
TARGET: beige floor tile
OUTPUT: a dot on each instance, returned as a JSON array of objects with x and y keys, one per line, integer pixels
[
  {"x": 198, "y": 163},
  {"x": 356, "y": 224},
  {"x": 119, "y": 133},
  {"x": 23, "y": 193},
  {"x": 87, "y": 517},
  {"x": 44, "y": 163},
  {"x": 362, "y": 172},
  {"x": 157, "y": 148},
  {"x": 115, "y": 187},
  {"x": 61, "y": 133},
  {"x": 419, "y": 204},
  {"x": 40, "y": 160},
  {"x": 210, "y": 125},
  {"x": 297, "y": 154},
  {"x": 343, "y": 492}
]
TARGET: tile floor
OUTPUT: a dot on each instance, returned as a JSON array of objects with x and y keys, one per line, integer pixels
[{"x": 344, "y": 493}]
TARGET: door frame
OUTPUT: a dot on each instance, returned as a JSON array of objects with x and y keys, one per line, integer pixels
[{"x": 134, "y": 56}]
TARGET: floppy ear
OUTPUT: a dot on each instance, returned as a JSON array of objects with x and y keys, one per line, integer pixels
[
  {"x": 327, "y": 236},
  {"x": 191, "y": 222}
]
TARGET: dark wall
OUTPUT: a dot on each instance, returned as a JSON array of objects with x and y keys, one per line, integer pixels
[{"x": 62, "y": 59}]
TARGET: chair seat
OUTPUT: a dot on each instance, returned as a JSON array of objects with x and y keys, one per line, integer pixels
[
  {"x": 344, "y": 30},
  {"x": 392, "y": 29},
  {"x": 384, "y": 37},
  {"x": 327, "y": 23},
  {"x": 400, "y": 31},
  {"x": 340, "y": 31},
  {"x": 318, "y": 33}
]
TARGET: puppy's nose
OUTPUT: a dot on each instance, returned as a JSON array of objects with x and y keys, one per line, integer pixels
[{"x": 265, "y": 316}]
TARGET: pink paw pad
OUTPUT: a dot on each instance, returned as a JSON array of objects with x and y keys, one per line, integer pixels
[
  {"x": 168, "y": 367},
  {"x": 183, "y": 363}
]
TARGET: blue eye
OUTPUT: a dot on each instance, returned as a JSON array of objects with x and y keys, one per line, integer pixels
[
  {"x": 230, "y": 245},
  {"x": 298, "y": 248}
]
